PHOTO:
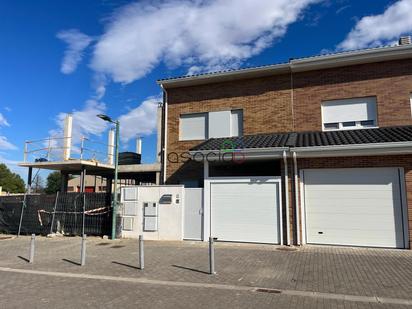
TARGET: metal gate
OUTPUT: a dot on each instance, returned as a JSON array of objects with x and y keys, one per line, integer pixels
[{"x": 193, "y": 214}]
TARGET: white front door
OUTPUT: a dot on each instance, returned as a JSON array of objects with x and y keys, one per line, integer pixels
[
  {"x": 245, "y": 209},
  {"x": 354, "y": 206},
  {"x": 193, "y": 214}
]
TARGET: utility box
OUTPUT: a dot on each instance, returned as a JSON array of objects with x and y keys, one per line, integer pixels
[
  {"x": 150, "y": 214},
  {"x": 150, "y": 209},
  {"x": 129, "y": 209}
]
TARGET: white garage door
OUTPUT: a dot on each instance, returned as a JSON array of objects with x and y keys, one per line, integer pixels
[
  {"x": 359, "y": 207},
  {"x": 245, "y": 211}
]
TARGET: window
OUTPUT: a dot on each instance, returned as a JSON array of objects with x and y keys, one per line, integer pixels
[
  {"x": 346, "y": 114},
  {"x": 193, "y": 126},
  {"x": 211, "y": 125}
]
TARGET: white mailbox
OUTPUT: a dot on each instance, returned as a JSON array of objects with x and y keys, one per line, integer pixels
[
  {"x": 150, "y": 216},
  {"x": 150, "y": 224},
  {"x": 130, "y": 194},
  {"x": 128, "y": 224},
  {"x": 129, "y": 208},
  {"x": 150, "y": 209}
]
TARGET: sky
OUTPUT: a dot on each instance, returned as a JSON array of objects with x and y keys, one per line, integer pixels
[{"x": 102, "y": 56}]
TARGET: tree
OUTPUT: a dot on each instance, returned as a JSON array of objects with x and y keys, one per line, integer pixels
[
  {"x": 54, "y": 182},
  {"x": 38, "y": 184},
  {"x": 9, "y": 181}
]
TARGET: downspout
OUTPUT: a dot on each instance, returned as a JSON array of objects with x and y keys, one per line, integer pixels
[
  {"x": 164, "y": 146},
  {"x": 297, "y": 213},
  {"x": 285, "y": 162}
]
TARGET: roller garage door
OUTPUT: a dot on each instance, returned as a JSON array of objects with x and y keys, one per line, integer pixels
[
  {"x": 245, "y": 211},
  {"x": 357, "y": 207}
]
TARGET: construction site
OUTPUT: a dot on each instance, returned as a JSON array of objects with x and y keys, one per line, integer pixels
[{"x": 90, "y": 176}]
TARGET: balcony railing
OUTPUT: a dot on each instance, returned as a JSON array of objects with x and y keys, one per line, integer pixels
[{"x": 53, "y": 149}]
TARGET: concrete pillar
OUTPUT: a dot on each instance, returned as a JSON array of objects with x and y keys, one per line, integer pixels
[
  {"x": 29, "y": 176},
  {"x": 109, "y": 185},
  {"x": 65, "y": 181},
  {"x": 139, "y": 145},
  {"x": 159, "y": 132},
  {"x": 82, "y": 179},
  {"x": 67, "y": 141},
  {"x": 110, "y": 147}
]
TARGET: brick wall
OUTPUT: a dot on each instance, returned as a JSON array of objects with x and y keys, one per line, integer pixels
[
  {"x": 390, "y": 82},
  {"x": 404, "y": 161},
  {"x": 267, "y": 102}
]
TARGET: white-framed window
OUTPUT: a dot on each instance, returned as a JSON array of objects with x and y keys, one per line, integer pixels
[
  {"x": 202, "y": 126},
  {"x": 345, "y": 114},
  {"x": 193, "y": 127}
]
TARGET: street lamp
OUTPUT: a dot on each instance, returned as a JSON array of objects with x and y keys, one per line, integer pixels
[{"x": 116, "y": 165}]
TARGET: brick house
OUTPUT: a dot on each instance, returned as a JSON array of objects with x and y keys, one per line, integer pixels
[{"x": 314, "y": 151}]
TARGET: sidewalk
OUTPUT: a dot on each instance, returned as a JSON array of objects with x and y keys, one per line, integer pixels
[{"x": 241, "y": 268}]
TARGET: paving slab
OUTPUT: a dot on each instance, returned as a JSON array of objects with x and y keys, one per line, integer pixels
[{"x": 376, "y": 273}]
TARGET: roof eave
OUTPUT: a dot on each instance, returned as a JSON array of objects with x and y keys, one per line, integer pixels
[
  {"x": 373, "y": 149},
  {"x": 351, "y": 58},
  {"x": 224, "y": 76},
  {"x": 296, "y": 65},
  {"x": 239, "y": 154}
]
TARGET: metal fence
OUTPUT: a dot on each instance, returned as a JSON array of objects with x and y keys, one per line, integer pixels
[{"x": 64, "y": 213}]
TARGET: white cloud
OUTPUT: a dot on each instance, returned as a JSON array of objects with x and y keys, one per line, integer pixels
[
  {"x": 85, "y": 122},
  {"x": 201, "y": 35},
  {"x": 3, "y": 121},
  {"x": 382, "y": 29},
  {"x": 76, "y": 43},
  {"x": 136, "y": 122},
  {"x": 140, "y": 120},
  {"x": 5, "y": 144}
]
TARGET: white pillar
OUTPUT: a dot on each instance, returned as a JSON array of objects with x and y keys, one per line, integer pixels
[
  {"x": 139, "y": 145},
  {"x": 67, "y": 134},
  {"x": 285, "y": 162},
  {"x": 110, "y": 147},
  {"x": 159, "y": 132}
]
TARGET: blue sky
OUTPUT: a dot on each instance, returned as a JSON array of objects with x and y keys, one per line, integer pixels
[{"x": 94, "y": 56}]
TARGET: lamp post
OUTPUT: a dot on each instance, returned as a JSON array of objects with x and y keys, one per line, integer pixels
[{"x": 116, "y": 165}]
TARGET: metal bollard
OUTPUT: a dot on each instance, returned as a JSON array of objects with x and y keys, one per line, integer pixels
[
  {"x": 212, "y": 255},
  {"x": 31, "y": 253},
  {"x": 83, "y": 252},
  {"x": 141, "y": 252}
]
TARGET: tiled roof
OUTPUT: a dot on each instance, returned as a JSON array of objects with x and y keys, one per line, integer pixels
[
  {"x": 244, "y": 142},
  {"x": 311, "y": 139}
]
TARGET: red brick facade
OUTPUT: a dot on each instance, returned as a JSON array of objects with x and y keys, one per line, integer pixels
[
  {"x": 292, "y": 102},
  {"x": 271, "y": 105}
]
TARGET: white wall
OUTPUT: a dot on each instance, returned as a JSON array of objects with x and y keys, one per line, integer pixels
[{"x": 170, "y": 216}]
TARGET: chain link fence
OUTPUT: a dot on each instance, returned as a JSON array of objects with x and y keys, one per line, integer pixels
[{"x": 63, "y": 213}]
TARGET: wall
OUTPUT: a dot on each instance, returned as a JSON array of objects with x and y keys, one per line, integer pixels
[
  {"x": 170, "y": 216},
  {"x": 267, "y": 103},
  {"x": 390, "y": 82}
]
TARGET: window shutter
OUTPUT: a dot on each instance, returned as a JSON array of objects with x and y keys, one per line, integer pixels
[{"x": 193, "y": 126}]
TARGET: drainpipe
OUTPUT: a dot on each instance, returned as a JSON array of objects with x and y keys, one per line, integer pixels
[
  {"x": 164, "y": 133},
  {"x": 285, "y": 162},
  {"x": 297, "y": 216}
]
